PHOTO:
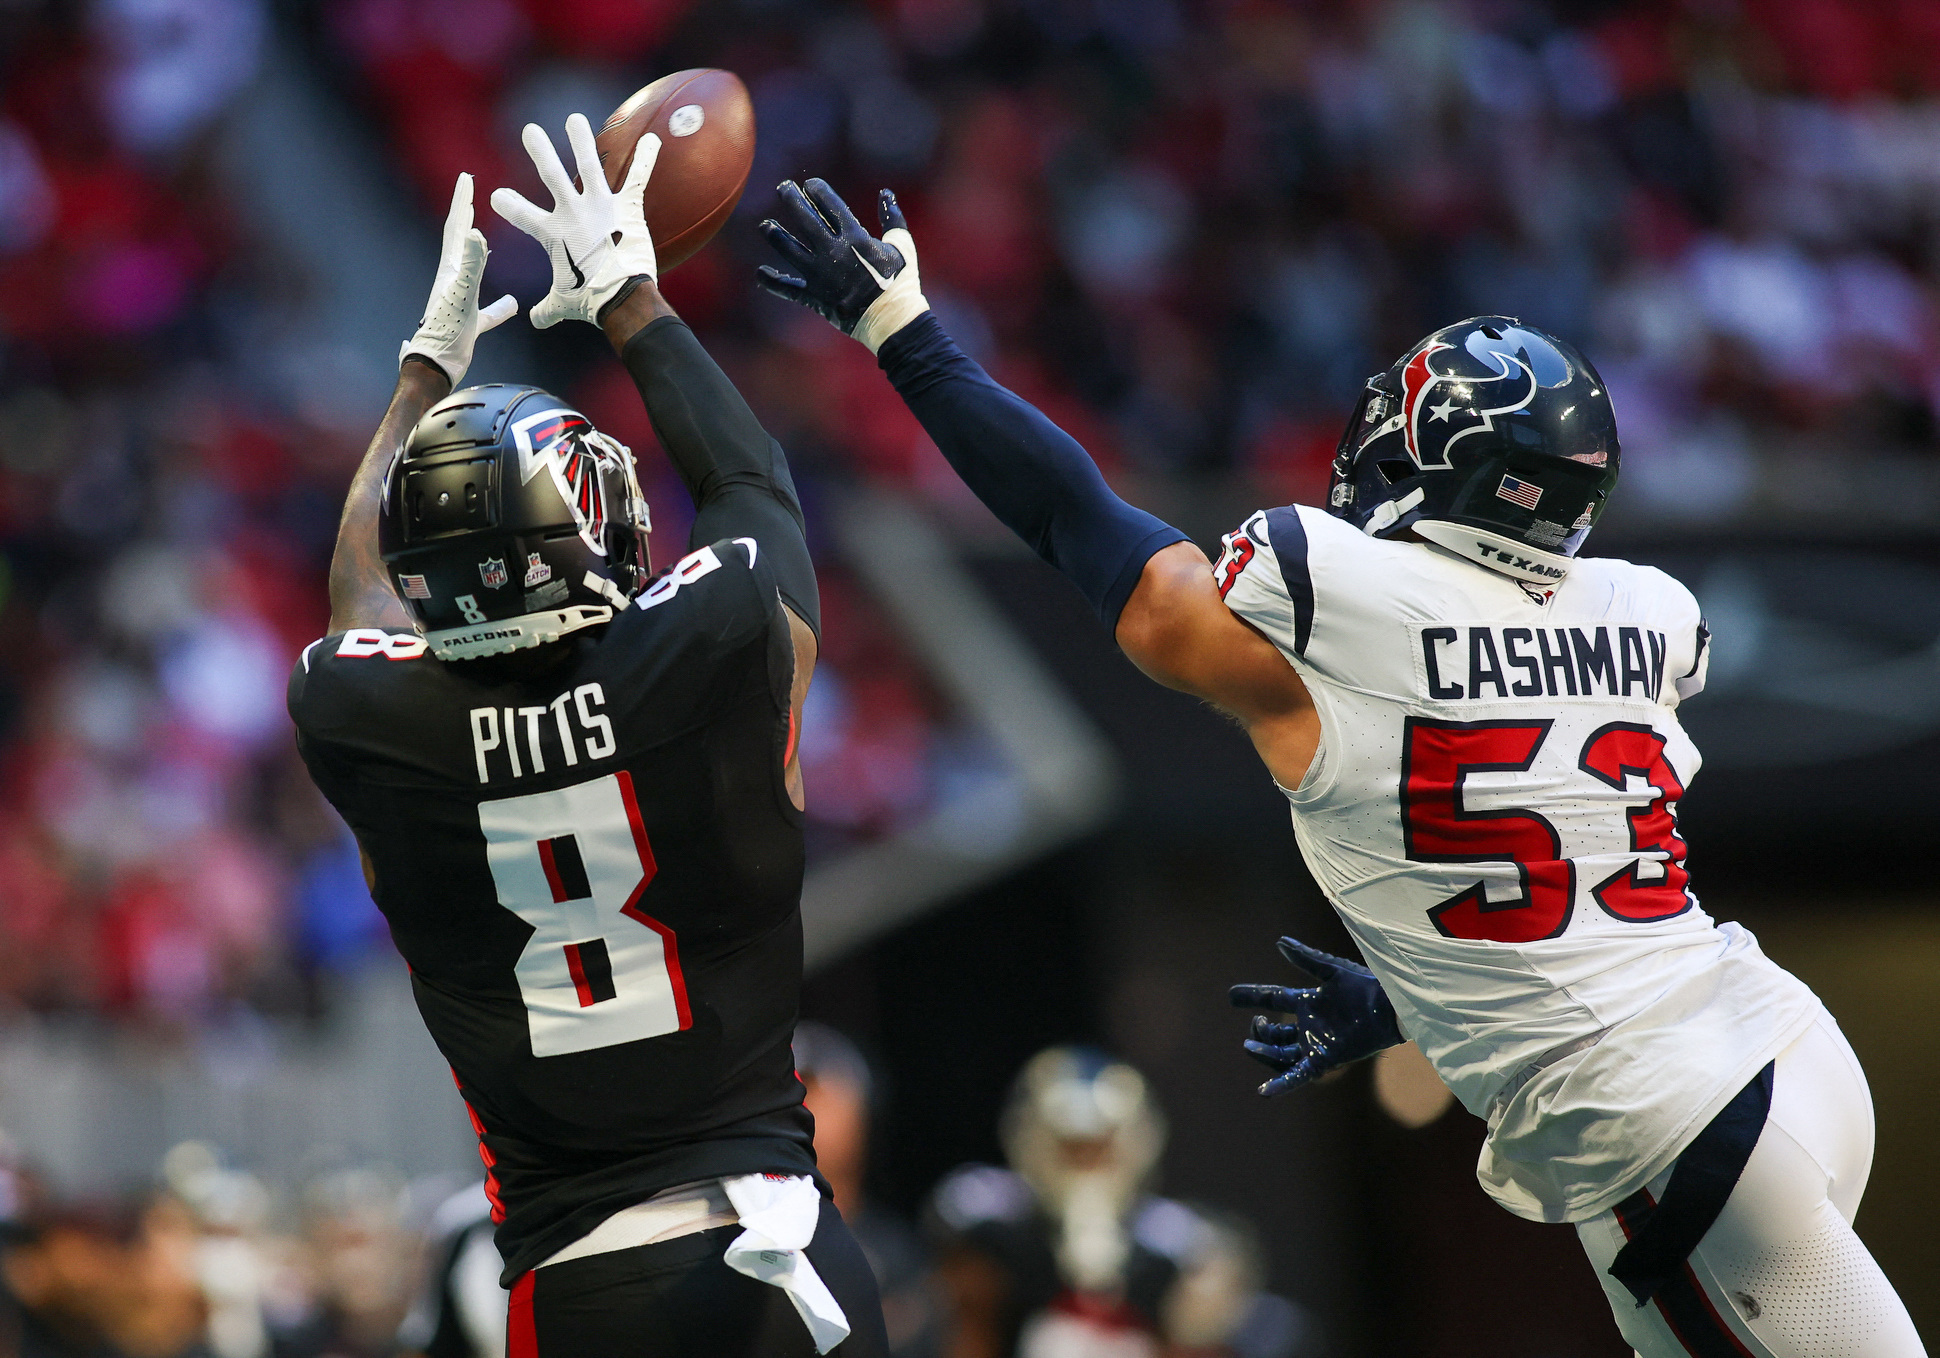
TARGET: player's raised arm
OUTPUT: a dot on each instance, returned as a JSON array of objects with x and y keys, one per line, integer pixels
[
  {"x": 430, "y": 364},
  {"x": 605, "y": 272},
  {"x": 1149, "y": 585}
]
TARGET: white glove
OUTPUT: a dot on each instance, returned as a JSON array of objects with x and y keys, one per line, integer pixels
[
  {"x": 588, "y": 264},
  {"x": 452, "y": 321}
]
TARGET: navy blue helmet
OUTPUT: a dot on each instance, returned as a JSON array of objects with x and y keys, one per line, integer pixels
[{"x": 1488, "y": 437}]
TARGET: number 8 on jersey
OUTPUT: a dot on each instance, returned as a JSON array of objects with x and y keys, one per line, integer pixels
[{"x": 573, "y": 864}]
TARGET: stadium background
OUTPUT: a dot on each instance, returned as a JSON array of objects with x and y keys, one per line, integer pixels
[{"x": 1187, "y": 230}]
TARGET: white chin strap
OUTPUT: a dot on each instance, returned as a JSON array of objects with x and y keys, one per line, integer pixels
[
  {"x": 480, "y": 639},
  {"x": 1496, "y": 551},
  {"x": 1389, "y": 512}
]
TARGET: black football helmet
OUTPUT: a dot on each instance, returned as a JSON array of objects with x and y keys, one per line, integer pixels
[
  {"x": 509, "y": 521},
  {"x": 1489, "y": 438}
]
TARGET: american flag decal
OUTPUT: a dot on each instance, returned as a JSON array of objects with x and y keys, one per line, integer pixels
[
  {"x": 414, "y": 587},
  {"x": 1524, "y": 493}
]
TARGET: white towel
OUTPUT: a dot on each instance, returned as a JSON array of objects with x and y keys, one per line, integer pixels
[{"x": 778, "y": 1213}]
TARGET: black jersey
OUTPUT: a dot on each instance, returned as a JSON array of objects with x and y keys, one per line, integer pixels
[{"x": 595, "y": 877}]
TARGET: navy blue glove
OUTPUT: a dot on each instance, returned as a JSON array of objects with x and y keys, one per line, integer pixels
[
  {"x": 1347, "y": 1018},
  {"x": 864, "y": 287}
]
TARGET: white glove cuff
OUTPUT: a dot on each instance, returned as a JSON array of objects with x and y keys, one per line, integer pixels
[
  {"x": 411, "y": 346},
  {"x": 902, "y": 301},
  {"x": 599, "y": 294}
]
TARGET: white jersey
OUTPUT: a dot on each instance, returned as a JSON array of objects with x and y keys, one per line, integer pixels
[{"x": 1493, "y": 812}]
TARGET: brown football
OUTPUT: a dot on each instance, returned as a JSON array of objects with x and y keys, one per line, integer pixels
[{"x": 706, "y": 127}]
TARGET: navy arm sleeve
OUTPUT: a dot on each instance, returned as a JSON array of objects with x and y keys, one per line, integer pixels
[
  {"x": 735, "y": 471},
  {"x": 1037, "y": 479}
]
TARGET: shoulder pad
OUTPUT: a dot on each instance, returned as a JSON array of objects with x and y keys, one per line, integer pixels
[
  {"x": 371, "y": 643},
  {"x": 696, "y": 565},
  {"x": 1263, "y": 576}
]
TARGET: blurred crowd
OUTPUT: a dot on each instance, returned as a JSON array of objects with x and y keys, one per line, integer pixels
[
  {"x": 1187, "y": 228},
  {"x": 1064, "y": 1251},
  {"x": 1192, "y": 228}
]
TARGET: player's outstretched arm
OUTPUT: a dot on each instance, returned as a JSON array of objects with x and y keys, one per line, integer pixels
[
  {"x": 1150, "y": 586},
  {"x": 1032, "y": 475},
  {"x": 430, "y": 364},
  {"x": 1177, "y": 629},
  {"x": 733, "y": 468},
  {"x": 604, "y": 272}
]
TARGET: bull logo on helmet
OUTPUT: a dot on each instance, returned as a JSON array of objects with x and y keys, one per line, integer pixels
[
  {"x": 555, "y": 439},
  {"x": 1523, "y": 363}
]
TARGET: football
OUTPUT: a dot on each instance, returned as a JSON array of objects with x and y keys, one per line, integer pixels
[{"x": 706, "y": 126}]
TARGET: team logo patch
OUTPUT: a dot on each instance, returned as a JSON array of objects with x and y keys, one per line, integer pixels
[
  {"x": 553, "y": 440},
  {"x": 1523, "y": 363},
  {"x": 492, "y": 571},
  {"x": 1519, "y": 492},
  {"x": 414, "y": 587},
  {"x": 537, "y": 572}
]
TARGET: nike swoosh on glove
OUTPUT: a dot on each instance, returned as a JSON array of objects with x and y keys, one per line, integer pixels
[
  {"x": 864, "y": 287},
  {"x": 452, "y": 320},
  {"x": 1345, "y": 1019},
  {"x": 597, "y": 239}
]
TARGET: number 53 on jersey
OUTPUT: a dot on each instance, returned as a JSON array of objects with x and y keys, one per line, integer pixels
[{"x": 1620, "y": 771}]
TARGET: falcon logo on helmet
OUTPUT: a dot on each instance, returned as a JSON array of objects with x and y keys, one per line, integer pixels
[
  {"x": 561, "y": 441},
  {"x": 465, "y": 505}
]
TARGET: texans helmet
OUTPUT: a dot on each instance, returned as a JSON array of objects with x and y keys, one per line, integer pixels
[
  {"x": 508, "y": 521},
  {"x": 1490, "y": 438}
]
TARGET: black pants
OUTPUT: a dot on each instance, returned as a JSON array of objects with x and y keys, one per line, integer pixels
[{"x": 678, "y": 1299}]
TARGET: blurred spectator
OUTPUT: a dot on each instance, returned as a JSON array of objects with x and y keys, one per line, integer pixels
[
  {"x": 107, "y": 1279},
  {"x": 1067, "y": 1253},
  {"x": 837, "y": 1088},
  {"x": 357, "y": 1258},
  {"x": 233, "y": 1263},
  {"x": 460, "y": 1310}
]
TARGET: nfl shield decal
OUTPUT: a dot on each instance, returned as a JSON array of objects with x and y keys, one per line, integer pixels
[{"x": 492, "y": 571}]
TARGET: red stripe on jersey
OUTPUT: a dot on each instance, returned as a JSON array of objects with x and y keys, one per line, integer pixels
[
  {"x": 521, "y": 1333},
  {"x": 484, "y": 1152},
  {"x": 794, "y": 734},
  {"x": 551, "y": 866},
  {"x": 578, "y": 969},
  {"x": 669, "y": 944},
  {"x": 1724, "y": 1331}
]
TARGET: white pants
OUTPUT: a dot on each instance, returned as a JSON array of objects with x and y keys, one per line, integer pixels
[{"x": 1780, "y": 1274}]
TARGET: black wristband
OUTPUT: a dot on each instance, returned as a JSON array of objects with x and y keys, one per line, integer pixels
[
  {"x": 626, "y": 290},
  {"x": 430, "y": 363}
]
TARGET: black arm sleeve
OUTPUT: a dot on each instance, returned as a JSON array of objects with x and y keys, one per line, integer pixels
[
  {"x": 1037, "y": 479},
  {"x": 735, "y": 472}
]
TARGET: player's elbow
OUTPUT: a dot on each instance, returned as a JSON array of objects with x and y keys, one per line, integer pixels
[{"x": 1157, "y": 628}]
